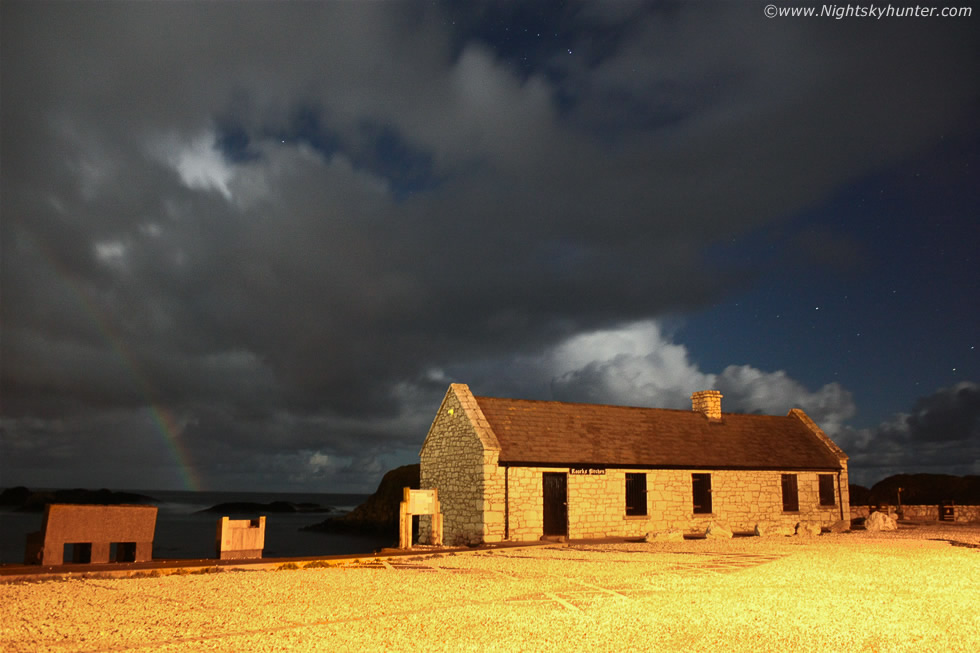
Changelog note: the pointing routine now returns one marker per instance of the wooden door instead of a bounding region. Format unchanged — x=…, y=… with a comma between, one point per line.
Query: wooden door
x=555, y=488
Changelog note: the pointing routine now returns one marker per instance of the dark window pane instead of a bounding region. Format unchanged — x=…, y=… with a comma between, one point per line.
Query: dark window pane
x=636, y=494
x=827, y=495
x=791, y=498
x=701, y=486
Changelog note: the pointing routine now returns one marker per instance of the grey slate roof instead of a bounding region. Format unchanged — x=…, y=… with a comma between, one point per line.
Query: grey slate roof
x=556, y=433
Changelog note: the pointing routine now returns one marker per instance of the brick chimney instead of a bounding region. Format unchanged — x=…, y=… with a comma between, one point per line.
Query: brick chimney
x=708, y=403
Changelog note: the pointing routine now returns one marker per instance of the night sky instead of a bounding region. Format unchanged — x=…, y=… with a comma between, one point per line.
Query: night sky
x=247, y=246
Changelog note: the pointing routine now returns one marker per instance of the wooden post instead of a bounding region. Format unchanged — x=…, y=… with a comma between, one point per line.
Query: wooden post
x=436, y=526
x=405, y=521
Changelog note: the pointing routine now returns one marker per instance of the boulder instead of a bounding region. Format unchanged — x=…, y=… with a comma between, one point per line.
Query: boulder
x=761, y=531
x=879, y=521
x=672, y=535
x=717, y=532
x=806, y=529
x=784, y=531
x=840, y=526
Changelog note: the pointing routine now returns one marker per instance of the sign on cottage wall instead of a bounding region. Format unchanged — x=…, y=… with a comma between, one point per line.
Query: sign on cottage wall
x=587, y=471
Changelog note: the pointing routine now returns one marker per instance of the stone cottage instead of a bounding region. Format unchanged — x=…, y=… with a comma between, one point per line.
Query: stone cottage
x=516, y=469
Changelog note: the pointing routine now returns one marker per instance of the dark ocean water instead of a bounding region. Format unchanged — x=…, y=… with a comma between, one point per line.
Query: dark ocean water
x=183, y=532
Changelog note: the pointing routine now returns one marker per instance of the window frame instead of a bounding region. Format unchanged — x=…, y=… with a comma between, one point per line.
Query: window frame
x=639, y=494
x=706, y=506
x=791, y=493
x=828, y=494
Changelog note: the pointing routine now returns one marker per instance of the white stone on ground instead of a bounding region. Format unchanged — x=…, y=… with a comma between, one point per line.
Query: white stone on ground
x=879, y=521
x=672, y=535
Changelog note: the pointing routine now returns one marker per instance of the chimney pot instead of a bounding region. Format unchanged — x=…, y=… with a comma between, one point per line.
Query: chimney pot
x=708, y=403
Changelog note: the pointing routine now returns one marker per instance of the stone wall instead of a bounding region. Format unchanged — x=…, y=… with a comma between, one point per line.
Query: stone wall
x=459, y=458
x=597, y=503
x=928, y=512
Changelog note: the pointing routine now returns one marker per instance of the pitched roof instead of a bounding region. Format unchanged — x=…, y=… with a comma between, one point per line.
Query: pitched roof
x=556, y=433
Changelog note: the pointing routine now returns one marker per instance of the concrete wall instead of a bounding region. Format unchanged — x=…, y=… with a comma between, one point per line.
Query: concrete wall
x=96, y=525
x=238, y=539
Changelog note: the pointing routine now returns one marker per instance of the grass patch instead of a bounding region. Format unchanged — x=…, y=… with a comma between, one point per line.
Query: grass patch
x=318, y=564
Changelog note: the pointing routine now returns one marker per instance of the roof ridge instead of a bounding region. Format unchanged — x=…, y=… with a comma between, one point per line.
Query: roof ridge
x=595, y=405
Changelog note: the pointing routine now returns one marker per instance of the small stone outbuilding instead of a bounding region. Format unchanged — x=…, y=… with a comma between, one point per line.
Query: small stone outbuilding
x=517, y=470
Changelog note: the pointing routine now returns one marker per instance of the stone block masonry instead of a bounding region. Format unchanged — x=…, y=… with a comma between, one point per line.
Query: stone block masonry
x=459, y=458
x=741, y=500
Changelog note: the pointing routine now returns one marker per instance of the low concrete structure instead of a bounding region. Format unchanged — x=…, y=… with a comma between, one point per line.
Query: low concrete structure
x=238, y=539
x=95, y=534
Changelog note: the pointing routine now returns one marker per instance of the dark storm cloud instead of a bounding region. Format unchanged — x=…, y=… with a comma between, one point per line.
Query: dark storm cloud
x=280, y=220
x=941, y=434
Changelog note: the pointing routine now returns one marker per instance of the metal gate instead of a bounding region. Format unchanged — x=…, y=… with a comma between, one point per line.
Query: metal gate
x=947, y=511
x=555, y=488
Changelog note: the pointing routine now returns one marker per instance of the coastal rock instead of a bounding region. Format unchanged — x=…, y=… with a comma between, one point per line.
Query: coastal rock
x=15, y=496
x=879, y=521
x=379, y=514
x=24, y=500
x=717, y=532
x=672, y=535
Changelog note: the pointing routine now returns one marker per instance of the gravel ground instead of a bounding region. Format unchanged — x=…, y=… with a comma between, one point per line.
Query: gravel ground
x=907, y=591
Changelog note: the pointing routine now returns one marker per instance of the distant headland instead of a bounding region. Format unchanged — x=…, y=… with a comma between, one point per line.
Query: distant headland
x=23, y=499
x=242, y=507
x=379, y=514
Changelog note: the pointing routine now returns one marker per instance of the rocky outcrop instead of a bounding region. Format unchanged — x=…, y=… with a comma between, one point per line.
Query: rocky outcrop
x=919, y=489
x=379, y=514
x=24, y=500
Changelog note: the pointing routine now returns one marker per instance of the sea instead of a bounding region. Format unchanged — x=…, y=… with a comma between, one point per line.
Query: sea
x=184, y=532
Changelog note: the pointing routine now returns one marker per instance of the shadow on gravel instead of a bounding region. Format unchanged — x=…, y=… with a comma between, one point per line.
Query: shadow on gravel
x=968, y=545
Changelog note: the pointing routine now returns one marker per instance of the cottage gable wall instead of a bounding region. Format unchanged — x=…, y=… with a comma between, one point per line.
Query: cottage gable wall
x=459, y=459
x=830, y=444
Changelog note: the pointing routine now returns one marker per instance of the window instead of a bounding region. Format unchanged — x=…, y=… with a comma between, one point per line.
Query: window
x=636, y=494
x=791, y=497
x=827, y=496
x=701, y=485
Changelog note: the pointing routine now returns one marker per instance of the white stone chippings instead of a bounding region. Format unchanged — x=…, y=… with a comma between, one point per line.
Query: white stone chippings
x=731, y=595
